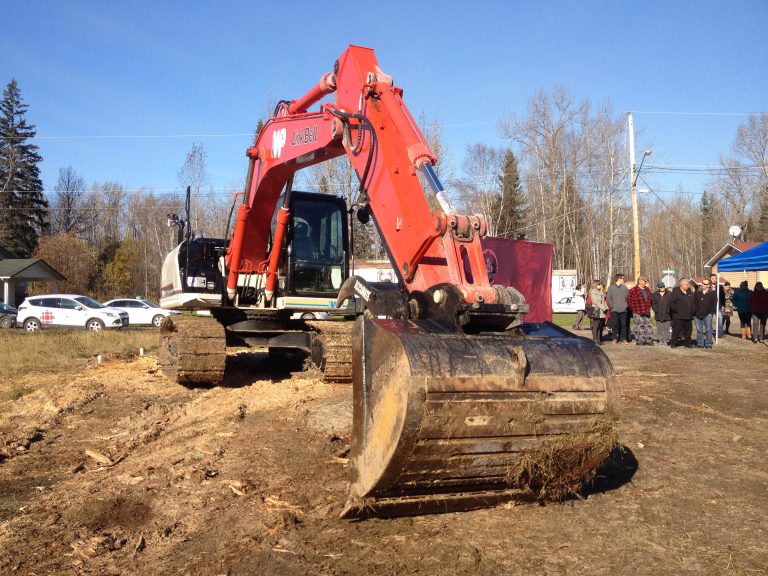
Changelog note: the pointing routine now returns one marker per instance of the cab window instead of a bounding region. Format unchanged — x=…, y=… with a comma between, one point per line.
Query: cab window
x=68, y=304
x=317, y=247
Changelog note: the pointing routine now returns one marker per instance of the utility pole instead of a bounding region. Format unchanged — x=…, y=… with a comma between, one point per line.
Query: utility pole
x=633, y=193
x=633, y=174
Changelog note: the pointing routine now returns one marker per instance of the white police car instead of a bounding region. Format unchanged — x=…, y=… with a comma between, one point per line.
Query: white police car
x=140, y=311
x=68, y=311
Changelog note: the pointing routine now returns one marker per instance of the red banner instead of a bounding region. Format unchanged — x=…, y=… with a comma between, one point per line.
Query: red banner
x=526, y=266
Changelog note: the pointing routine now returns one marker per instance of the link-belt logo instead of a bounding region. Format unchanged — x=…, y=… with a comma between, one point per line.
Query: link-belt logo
x=278, y=141
x=305, y=136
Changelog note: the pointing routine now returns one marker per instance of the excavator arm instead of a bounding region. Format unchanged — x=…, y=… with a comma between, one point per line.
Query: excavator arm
x=371, y=124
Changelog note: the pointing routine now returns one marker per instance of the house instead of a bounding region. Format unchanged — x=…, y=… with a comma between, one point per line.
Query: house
x=735, y=278
x=16, y=271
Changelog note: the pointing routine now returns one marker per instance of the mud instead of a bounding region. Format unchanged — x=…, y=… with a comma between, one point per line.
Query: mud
x=249, y=478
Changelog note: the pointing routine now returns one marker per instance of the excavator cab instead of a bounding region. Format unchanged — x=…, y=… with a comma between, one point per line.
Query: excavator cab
x=317, y=245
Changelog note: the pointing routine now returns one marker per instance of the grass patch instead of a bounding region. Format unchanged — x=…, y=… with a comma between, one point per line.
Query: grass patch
x=561, y=465
x=65, y=350
x=567, y=319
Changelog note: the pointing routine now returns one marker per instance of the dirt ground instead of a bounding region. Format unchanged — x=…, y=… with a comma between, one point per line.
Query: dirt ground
x=116, y=471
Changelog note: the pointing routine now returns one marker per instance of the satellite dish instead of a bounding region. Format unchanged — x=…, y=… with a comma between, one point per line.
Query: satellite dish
x=734, y=231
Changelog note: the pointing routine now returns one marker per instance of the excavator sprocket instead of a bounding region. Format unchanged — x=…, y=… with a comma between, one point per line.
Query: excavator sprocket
x=193, y=350
x=450, y=421
x=332, y=350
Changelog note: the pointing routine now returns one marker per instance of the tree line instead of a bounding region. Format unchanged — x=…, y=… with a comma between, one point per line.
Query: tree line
x=562, y=178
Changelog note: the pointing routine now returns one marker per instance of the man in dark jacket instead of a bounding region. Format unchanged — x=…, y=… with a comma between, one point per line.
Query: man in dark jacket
x=616, y=296
x=706, y=305
x=639, y=301
x=681, y=308
x=660, y=306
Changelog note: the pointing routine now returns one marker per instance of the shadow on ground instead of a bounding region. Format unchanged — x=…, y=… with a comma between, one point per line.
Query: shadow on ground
x=616, y=471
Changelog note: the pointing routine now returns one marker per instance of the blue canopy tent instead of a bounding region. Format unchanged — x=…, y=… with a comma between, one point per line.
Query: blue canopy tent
x=753, y=259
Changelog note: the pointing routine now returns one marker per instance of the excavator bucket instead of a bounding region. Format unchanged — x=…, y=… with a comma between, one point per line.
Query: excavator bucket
x=449, y=421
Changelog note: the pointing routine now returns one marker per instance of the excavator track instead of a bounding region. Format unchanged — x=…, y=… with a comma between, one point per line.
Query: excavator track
x=332, y=350
x=193, y=350
x=448, y=421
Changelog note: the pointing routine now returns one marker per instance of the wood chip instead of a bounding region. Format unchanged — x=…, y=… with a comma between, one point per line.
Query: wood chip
x=281, y=504
x=236, y=491
x=100, y=458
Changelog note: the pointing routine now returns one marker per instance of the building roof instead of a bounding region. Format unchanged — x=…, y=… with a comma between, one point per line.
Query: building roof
x=729, y=249
x=28, y=269
x=744, y=246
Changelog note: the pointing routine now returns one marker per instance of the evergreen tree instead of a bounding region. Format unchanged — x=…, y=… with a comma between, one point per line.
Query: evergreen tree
x=23, y=207
x=511, y=203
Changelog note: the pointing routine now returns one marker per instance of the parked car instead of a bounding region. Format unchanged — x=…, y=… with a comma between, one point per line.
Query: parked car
x=68, y=311
x=569, y=304
x=7, y=315
x=140, y=311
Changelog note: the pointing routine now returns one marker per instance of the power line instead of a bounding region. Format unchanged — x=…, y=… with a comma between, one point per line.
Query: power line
x=679, y=113
x=667, y=206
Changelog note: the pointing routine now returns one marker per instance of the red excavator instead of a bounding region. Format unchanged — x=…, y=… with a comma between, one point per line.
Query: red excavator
x=456, y=402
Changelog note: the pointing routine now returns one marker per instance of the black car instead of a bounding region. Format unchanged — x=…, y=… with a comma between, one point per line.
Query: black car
x=7, y=315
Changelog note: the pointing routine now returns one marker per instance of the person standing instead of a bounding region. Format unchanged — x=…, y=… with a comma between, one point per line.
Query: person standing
x=706, y=305
x=660, y=307
x=639, y=301
x=681, y=308
x=741, y=302
x=758, y=303
x=578, y=297
x=596, y=300
x=617, y=299
x=720, y=302
x=727, y=309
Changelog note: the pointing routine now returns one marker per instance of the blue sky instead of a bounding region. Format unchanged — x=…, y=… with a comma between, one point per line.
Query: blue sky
x=95, y=74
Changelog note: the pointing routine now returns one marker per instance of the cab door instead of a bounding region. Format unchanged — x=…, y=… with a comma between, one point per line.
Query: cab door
x=318, y=245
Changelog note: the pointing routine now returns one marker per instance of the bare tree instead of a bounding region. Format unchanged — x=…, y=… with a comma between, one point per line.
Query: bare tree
x=480, y=190
x=68, y=210
x=105, y=222
x=572, y=166
x=742, y=182
x=193, y=174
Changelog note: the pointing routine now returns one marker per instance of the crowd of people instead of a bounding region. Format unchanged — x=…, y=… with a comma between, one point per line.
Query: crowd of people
x=709, y=305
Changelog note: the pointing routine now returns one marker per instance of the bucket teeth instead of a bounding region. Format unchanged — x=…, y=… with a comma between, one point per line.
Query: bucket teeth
x=450, y=420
